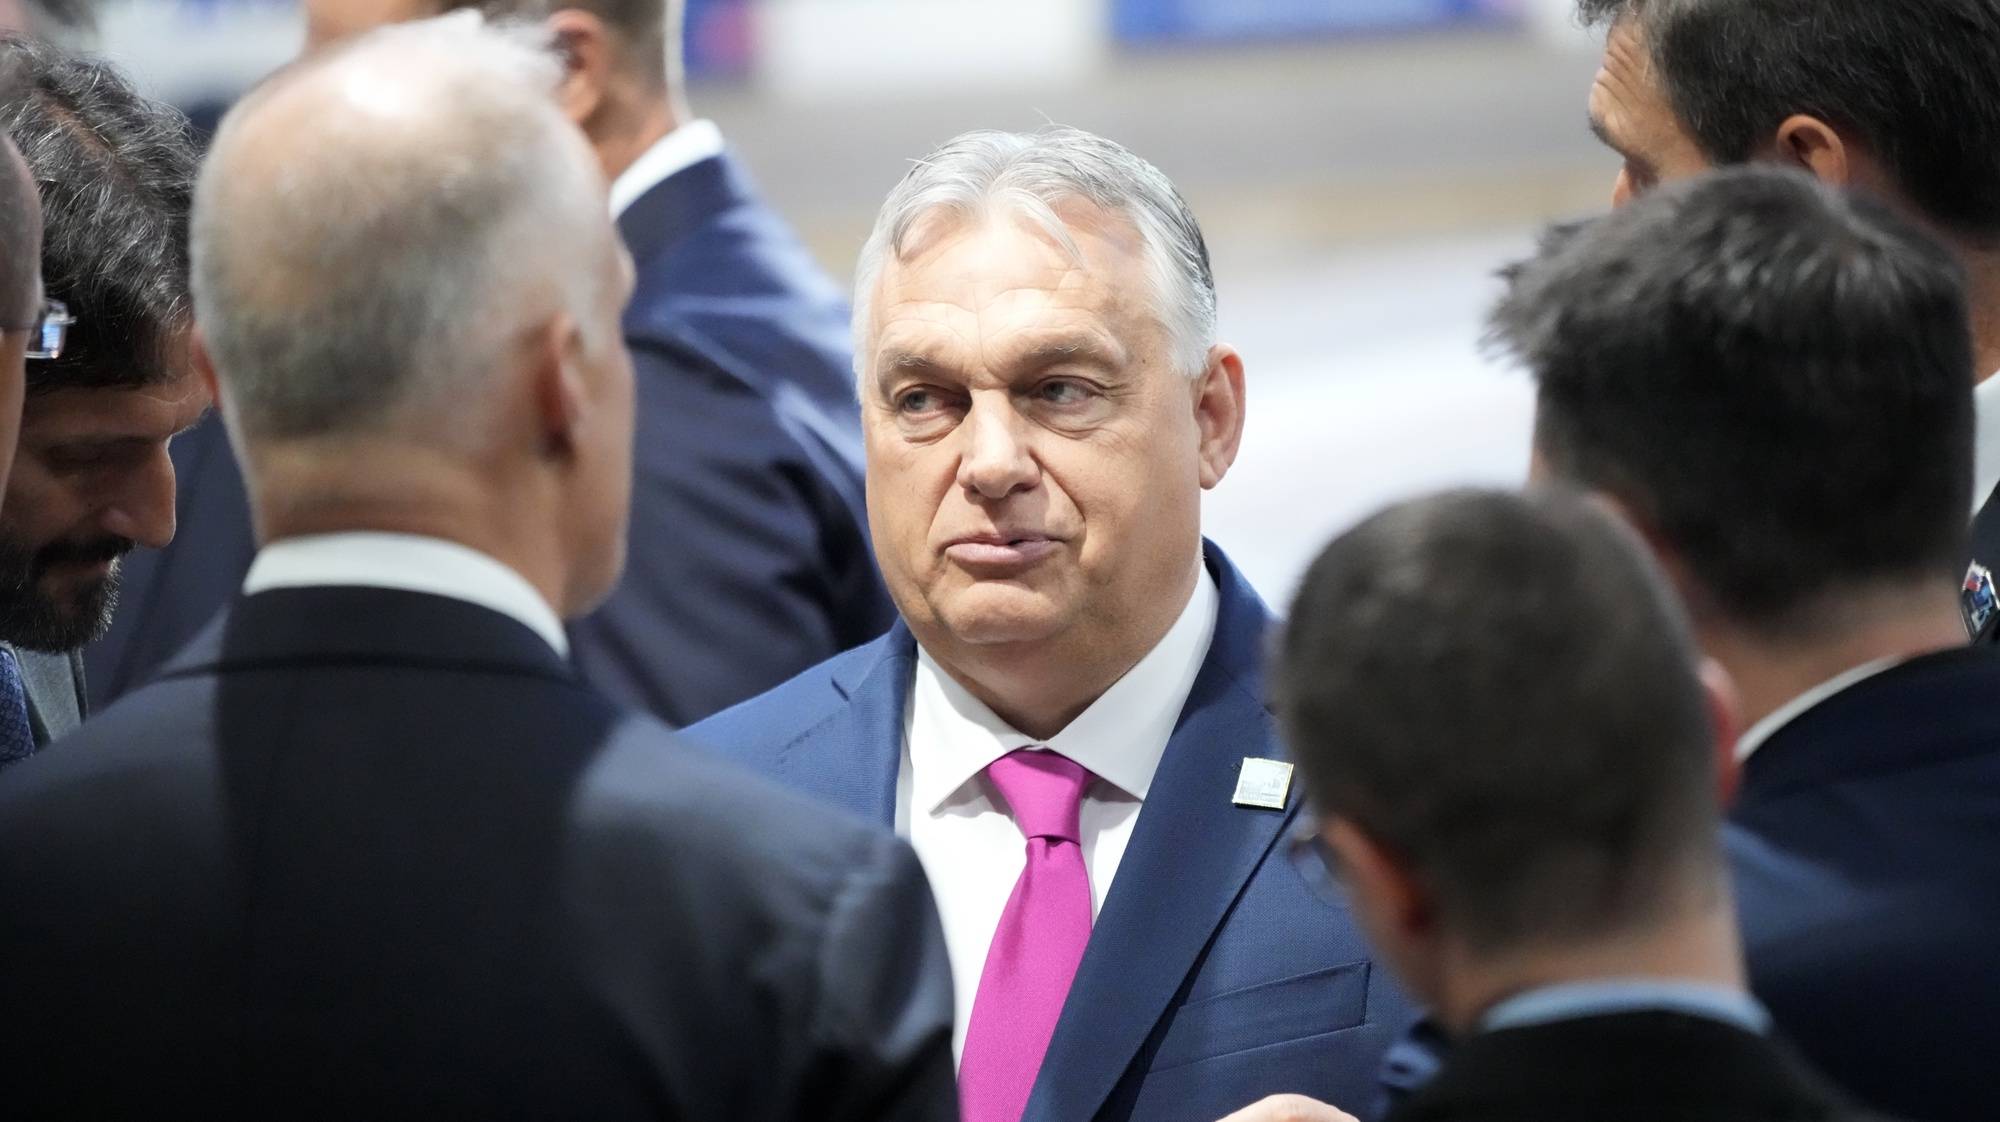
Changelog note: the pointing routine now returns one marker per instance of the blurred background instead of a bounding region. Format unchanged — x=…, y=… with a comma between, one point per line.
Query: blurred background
x=1361, y=168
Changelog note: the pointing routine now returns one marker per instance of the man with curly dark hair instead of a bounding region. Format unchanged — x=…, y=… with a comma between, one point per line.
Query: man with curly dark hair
x=91, y=477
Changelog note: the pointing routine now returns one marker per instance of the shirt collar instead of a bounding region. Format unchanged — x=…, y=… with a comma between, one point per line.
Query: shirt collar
x=1604, y=997
x=677, y=151
x=1120, y=738
x=410, y=563
x=1797, y=707
x=1985, y=440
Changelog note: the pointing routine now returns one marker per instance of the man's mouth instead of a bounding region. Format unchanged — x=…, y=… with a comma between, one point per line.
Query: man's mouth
x=999, y=552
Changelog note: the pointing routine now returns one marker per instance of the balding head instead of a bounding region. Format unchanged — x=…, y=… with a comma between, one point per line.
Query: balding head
x=406, y=277
x=376, y=227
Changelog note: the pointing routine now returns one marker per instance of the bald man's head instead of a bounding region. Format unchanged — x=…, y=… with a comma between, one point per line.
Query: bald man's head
x=409, y=288
x=375, y=227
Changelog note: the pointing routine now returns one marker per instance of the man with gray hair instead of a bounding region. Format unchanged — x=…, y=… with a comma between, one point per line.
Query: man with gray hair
x=370, y=849
x=1068, y=721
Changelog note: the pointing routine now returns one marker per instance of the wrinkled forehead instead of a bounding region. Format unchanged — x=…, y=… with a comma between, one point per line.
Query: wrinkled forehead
x=1073, y=260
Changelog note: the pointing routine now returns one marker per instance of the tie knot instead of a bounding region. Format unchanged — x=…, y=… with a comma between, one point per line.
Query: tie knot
x=1044, y=791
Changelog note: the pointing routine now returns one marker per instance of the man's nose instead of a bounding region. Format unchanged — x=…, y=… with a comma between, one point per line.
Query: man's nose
x=996, y=460
x=142, y=505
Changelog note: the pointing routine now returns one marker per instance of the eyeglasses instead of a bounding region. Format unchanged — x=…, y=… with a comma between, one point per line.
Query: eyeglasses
x=1317, y=864
x=50, y=330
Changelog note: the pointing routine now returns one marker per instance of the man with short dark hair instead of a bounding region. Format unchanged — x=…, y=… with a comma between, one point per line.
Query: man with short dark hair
x=91, y=476
x=1894, y=98
x=1538, y=856
x=750, y=558
x=1766, y=377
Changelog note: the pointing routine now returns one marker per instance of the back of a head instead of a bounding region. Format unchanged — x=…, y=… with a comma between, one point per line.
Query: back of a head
x=116, y=171
x=1910, y=80
x=1501, y=690
x=380, y=226
x=648, y=32
x=1773, y=378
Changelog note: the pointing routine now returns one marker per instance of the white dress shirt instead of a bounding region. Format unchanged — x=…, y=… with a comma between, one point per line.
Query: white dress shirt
x=411, y=563
x=968, y=843
x=1985, y=440
x=1799, y=706
x=679, y=150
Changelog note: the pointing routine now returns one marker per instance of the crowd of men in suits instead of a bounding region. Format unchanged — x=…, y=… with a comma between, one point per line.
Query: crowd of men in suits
x=1666, y=788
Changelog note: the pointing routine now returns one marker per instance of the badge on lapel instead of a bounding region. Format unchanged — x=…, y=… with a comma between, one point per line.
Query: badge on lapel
x=1263, y=783
x=1978, y=599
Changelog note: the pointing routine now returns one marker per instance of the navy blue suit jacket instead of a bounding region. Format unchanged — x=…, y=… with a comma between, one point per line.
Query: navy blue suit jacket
x=1866, y=846
x=1215, y=976
x=749, y=557
x=363, y=853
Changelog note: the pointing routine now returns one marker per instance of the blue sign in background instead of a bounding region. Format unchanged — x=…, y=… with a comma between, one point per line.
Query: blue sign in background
x=1199, y=20
x=717, y=34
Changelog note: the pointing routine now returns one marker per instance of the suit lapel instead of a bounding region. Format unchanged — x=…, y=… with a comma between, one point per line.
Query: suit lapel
x=1191, y=855
x=851, y=759
x=53, y=705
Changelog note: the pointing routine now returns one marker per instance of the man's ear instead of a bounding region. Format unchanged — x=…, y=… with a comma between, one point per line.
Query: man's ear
x=1218, y=412
x=1810, y=143
x=204, y=365
x=589, y=56
x=1725, y=716
x=561, y=399
x=1387, y=894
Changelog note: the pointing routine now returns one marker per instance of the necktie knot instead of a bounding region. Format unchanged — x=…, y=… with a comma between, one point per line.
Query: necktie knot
x=1044, y=791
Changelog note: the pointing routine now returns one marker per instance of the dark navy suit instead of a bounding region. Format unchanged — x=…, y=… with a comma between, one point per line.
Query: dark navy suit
x=1866, y=843
x=373, y=854
x=1214, y=975
x=749, y=557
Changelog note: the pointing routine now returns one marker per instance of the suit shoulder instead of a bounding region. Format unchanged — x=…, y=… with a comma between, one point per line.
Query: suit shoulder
x=742, y=296
x=756, y=730
x=654, y=786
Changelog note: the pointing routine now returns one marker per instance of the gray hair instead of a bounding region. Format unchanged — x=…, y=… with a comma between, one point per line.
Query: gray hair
x=1031, y=174
x=376, y=226
x=116, y=170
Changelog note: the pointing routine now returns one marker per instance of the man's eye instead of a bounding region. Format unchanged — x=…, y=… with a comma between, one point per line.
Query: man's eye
x=1061, y=392
x=916, y=401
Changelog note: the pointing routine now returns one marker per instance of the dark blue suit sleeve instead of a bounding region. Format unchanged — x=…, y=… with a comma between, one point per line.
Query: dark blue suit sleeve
x=744, y=568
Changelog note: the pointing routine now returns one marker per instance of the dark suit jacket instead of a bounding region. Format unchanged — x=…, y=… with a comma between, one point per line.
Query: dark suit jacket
x=375, y=854
x=749, y=557
x=1626, y=1067
x=1866, y=844
x=1214, y=976
x=749, y=539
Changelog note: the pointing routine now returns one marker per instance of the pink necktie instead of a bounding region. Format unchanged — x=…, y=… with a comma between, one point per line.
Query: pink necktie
x=1038, y=944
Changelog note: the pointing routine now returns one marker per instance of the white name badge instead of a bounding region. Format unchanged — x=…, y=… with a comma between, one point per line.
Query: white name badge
x=1263, y=783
